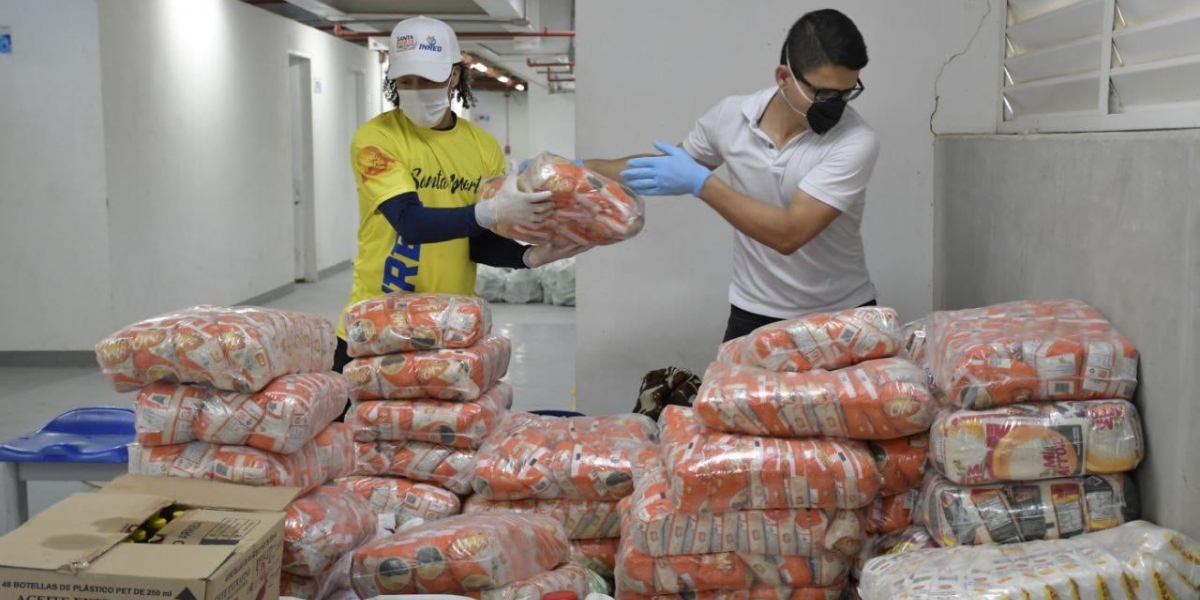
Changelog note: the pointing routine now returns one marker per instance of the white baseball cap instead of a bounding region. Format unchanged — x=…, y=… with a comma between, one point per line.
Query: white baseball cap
x=423, y=47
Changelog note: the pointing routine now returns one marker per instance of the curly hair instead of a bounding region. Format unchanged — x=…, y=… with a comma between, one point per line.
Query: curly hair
x=462, y=91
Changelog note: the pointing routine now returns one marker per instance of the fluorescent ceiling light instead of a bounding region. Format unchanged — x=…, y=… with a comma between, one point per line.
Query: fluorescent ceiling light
x=502, y=79
x=520, y=87
x=482, y=68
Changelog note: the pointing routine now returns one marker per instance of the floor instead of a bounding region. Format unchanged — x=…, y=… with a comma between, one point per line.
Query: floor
x=542, y=370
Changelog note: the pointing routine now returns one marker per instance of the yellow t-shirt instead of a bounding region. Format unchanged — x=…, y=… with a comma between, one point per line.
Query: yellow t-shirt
x=391, y=156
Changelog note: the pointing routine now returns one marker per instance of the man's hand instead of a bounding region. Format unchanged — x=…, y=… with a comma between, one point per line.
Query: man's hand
x=512, y=207
x=673, y=174
x=537, y=256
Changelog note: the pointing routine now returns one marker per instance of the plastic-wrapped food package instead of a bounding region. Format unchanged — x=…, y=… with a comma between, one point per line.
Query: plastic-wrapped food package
x=489, y=282
x=165, y=413
x=718, y=472
x=193, y=460
x=336, y=451
x=657, y=529
x=448, y=467
x=456, y=424
x=1037, y=441
x=915, y=337
x=597, y=555
x=236, y=349
x=405, y=499
x=323, y=525
x=819, y=341
x=580, y=458
x=403, y=322
x=449, y=374
x=566, y=578
x=913, y=537
x=523, y=286
x=878, y=399
x=460, y=554
x=644, y=574
x=1006, y=513
x=1032, y=350
x=581, y=519
x=558, y=282
x=1136, y=560
x=761, y=592
x=902, y=462
x=589, y=208
x=889, y=514
x=322, y=586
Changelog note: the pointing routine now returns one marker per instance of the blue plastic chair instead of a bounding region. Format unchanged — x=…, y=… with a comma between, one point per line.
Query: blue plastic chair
x=557, y=413
x=83, y=444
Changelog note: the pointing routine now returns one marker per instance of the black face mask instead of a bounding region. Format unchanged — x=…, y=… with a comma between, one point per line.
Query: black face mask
x=823, y=116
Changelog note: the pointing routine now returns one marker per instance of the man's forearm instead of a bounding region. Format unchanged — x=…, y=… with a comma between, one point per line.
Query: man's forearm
x=768, y=225
x=610, y=167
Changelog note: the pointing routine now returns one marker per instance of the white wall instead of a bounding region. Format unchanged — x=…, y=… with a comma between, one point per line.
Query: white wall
x=551, y=121
x=506, y=119
x=660, y=299
x=53, y=224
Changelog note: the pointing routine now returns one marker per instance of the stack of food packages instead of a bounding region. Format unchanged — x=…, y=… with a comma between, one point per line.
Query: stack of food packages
x=247, y=396
x=771, y=485
x=575, y=470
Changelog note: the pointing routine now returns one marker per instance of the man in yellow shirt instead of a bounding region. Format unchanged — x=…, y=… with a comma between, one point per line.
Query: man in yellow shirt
x=422, y=226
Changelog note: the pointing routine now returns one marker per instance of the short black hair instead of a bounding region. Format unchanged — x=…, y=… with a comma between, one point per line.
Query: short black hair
x=462, y=91
x=824, y=37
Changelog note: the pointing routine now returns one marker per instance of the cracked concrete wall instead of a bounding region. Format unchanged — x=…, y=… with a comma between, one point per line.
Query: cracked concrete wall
x=648, y=70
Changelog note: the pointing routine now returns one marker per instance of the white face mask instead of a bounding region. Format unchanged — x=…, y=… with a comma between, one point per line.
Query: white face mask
x=425, y=108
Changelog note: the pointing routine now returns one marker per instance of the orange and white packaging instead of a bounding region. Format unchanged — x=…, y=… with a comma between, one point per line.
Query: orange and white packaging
x=456, y=374
x=323, y=525
x=819, y=341
x=280, y=418
x=235, y=349
x=1014, y=512
x=403, y=322
x=902, y=462
x=423, y=462
x=656, y=528
x=915, y=336
x=566, y=578
x=760, y=592
x=1037, y=441
x=718, y=472
x=589, y=208
x=644, y=574
x=875, y=400
x=890, y=514
x=913, y=537
x=597, y=555
x=579, y=458
x=460, y=554
x=405, y=499
x=581, y=519
x=456, y=424
x=1031, y=350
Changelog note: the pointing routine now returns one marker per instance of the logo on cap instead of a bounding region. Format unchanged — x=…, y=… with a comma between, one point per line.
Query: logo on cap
x=431, y=45
x=406, y=42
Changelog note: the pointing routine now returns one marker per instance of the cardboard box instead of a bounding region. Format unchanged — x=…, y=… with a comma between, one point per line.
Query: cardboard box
x=227, y=546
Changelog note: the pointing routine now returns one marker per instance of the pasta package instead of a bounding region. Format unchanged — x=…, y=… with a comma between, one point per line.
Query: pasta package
x=1136, y=560
x=1032, y=350
x=902, y=462
x=423, y=462
x=449, y=374
x=235, y=349
x=405, y=499
x=913, y=537
x=644, y=574
x=599, y=555
x=280, y=418
x=1007, y=513
x=580, y=458
x=567, y=578
x=323, y=525
x=761, y=592
x=656, y=528
x=589, y=208
x=1037, y=441
x=459, y=554
x=456, y=424
x=581, y=519
x=874, y=400
x=403, y=322
x=719, y=472
x=818, y=341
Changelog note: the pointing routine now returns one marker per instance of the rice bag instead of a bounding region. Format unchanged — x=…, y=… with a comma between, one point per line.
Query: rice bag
x=165, y=413
x=456, y=424
x=323, y=525
x=235, y=349
x=1136, y=560
x=581, y=458
x=644, y=574
x=902, y=462
x=448, y=374
x=818, y=341
x=589, y=208
x=423, y=462
x=403, y=498
x=890, y=514
x=599, y=555
x=1037, y=441
x=459, y=554
x=566, y=578
x=280, y=418
x=1012, y=512
x=875, y=400
x=404, y=322
x=581, y=519
x=1032, y=350
x=760, y=592
x=915, y=337
x=717, y=472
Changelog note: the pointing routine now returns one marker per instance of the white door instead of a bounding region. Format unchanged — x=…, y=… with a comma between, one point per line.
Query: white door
x=300, y=92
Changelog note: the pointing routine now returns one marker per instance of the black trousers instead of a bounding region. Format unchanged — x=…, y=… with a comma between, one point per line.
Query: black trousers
x=742, y=322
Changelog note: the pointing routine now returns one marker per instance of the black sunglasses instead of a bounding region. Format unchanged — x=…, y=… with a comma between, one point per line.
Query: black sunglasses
x=829, y=94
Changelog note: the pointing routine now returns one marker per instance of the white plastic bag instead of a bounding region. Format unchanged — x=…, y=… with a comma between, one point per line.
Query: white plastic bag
x=489, y=282
x=558, y=283
x=523, y=286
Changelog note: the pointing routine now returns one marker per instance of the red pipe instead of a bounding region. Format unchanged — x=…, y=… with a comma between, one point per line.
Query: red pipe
x=512, y=34
x=529, y=62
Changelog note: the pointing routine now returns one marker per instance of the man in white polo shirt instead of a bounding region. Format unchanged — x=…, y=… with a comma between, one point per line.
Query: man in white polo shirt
x=799, y=160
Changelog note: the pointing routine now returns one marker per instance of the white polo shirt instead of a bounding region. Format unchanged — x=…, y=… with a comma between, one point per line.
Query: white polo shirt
x=830, y=272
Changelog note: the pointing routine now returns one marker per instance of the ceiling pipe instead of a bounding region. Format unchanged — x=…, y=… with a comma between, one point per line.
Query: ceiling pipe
x=530, y=62
x=449, y=18
x=500, y=35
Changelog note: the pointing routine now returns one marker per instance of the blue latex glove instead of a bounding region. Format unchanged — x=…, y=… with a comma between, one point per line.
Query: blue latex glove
x=674, y=174
x=525, y=164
